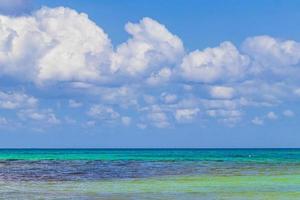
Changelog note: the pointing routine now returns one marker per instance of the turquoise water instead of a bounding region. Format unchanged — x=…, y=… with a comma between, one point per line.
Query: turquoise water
x=150, y=174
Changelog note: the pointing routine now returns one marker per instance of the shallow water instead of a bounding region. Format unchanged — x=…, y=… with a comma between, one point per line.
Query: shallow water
x=150, y=174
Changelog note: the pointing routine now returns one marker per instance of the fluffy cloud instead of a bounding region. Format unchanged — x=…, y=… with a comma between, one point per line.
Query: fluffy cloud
x=16, y=100
x=214, y=64
x=268, y=52
x=126, y=120
x=44, y=116
x=185, y=115
x=64, y=45
x=169, y=98
x=257, y=121
x=221, y=92
x=150, y=76
x=103, y=113
x=151, y=46
x=271, y=115
x=158, y=118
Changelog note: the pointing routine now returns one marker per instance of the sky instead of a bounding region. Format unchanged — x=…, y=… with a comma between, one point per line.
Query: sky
x=149, y=74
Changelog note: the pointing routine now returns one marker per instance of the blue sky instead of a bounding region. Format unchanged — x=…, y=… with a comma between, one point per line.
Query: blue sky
x=149, y=73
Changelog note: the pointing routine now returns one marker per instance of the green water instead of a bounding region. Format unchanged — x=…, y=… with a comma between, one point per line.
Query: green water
x=117, y=174
x=202, y=187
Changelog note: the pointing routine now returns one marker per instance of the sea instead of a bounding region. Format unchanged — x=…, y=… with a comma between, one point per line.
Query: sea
x=154, y=174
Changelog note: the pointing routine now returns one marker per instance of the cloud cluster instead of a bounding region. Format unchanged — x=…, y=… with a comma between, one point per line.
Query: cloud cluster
x=150, y=79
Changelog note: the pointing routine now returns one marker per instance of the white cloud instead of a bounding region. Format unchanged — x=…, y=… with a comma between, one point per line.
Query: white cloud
x=222, y=92
x=186, y=115
x=169, y=98
x=3, y=121
x=16, y=100
x=224, y=113
x=162, y=76
x=103, y=113
x=46, y=117
x=257, y=121
x=142, y=126
x=149, y=74
x=158, y=118
x=288, y=113
x=90, y=123
x=64, y=45
x=126, y=120
x=268, y=52
x=149, y=99
x=151, y=45
x=214, y=64
x=271, y=115
x=297, y=92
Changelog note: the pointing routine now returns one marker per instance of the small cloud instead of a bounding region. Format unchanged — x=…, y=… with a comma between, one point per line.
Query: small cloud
x=16, y=100
x=159, y=119
x=90, y=123
x=142, y=126
x=44, y=116
x=74, y=104
x=149, y=99
x=103, y=113
x=288, y=113
x=221, y=92
x=3, y=121
x=257, y=121
x=70, y=120
x=187, y=87
x=126, y=120
x=169, y=98
x=271, y=115
x=185, y=115
x=297, y=91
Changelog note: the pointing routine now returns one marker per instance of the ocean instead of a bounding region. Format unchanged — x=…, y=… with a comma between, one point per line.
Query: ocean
x=162, y=174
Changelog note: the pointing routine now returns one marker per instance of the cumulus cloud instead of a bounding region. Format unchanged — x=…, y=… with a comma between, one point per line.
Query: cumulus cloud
x=268, y=52
x=214, y=64
x=64, y=45
x=228, y=117
x=15, y=100
x=221, y=92
x=151, y=45
x=103, y=113
x=158, y=118
x=185, y=115
x=150, y=75
x=47, y=116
